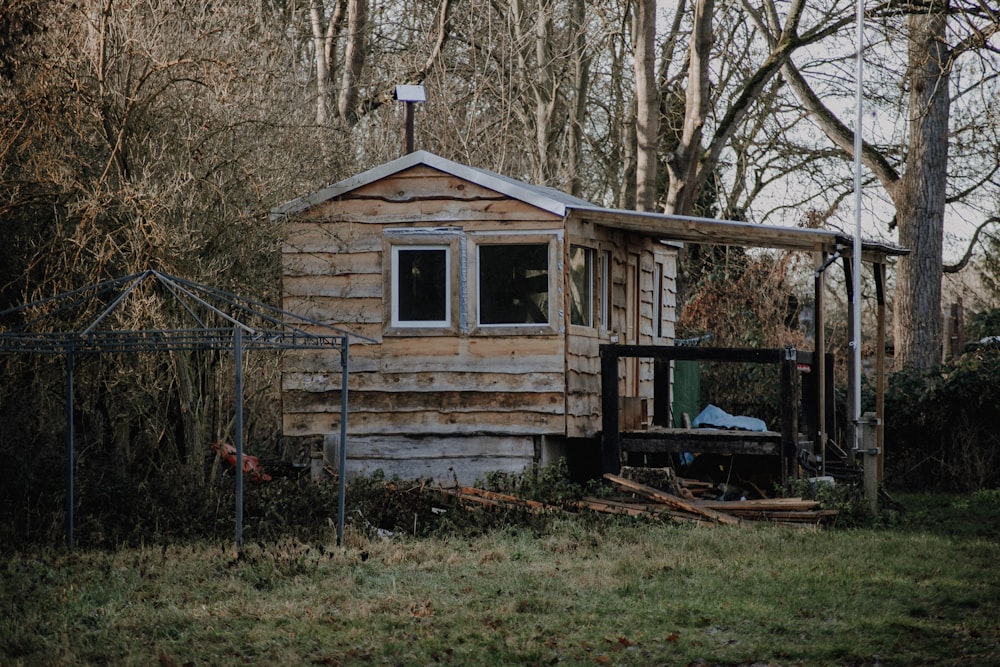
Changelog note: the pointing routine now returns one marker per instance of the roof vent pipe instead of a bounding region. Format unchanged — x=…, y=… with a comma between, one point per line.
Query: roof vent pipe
x=410, y=95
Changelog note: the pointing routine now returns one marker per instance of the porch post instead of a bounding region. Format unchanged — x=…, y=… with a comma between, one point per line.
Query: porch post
x=819, y=361
x=879, y=268
x=789, y=414
x=610, y=441
x=342, y=462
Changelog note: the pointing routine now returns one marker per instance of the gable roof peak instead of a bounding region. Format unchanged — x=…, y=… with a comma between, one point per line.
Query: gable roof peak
x=546, y=198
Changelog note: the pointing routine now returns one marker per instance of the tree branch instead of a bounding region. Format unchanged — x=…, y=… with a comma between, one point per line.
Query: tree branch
x=839, y=133
x=961, y=264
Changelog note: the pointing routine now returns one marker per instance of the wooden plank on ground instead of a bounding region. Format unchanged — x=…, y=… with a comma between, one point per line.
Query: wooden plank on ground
x=671, y=500
x=632, y=509
x=494, y=498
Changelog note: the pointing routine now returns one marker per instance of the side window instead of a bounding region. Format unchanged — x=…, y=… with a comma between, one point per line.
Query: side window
x=513, y=284
x=581, y=287
x=606, y=290
x=421, y=290
x=658, y=299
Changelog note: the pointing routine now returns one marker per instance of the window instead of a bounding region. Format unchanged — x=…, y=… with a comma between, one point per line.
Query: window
x=606, y=290
x=421, y=290
x=513, y=284
x=658, y=300
x=581, y=286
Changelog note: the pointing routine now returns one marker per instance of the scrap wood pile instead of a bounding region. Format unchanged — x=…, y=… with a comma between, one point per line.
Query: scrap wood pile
x=636, y=499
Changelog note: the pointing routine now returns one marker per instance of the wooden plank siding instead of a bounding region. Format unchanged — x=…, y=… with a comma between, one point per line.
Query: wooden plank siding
x=583, y=367
x=447, y=459
x=414, y=398
x=463, y=398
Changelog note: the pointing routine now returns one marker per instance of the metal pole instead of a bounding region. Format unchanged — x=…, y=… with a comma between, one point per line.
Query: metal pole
x=70, y=463
x=862, y=441
x=342, y=463
x=408, y=128
x=238, y=362
x=856, y=328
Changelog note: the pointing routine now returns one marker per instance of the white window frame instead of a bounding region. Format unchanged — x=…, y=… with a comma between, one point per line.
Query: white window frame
x=395, y=321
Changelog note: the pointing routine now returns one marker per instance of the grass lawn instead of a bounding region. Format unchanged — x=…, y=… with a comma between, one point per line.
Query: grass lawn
x=925, y=591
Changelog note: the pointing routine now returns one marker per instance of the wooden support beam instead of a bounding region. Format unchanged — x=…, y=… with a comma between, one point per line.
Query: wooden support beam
x=880, y=333
x=610, y=438
x=819, y=361
x=789, y=414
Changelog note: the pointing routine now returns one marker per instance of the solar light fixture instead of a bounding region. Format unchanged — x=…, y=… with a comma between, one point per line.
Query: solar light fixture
x=409, y=94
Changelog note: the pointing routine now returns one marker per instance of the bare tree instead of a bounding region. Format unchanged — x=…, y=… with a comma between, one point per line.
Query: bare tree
x=324, y=35
x=143, y=135
x=647, y=104
x=915, y=172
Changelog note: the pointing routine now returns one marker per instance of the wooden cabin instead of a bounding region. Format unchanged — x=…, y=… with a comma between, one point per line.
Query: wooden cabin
x=484, y=307
x=485, y=299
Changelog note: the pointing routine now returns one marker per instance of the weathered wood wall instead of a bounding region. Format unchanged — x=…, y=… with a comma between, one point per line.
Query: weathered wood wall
x=421, y=403
x=583, y=367
x=459, y=400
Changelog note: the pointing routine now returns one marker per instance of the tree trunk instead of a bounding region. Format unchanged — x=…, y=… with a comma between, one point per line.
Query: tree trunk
x=647, y=125
x=920, y=195
x=323, y=39
x=581, y=86
x=354, y=60
x=684, y=163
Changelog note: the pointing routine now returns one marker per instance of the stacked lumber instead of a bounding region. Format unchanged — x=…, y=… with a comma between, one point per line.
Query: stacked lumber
x=643, y=500
x=675, y=503
x=495, y=499
x=785, y=510
x=775, y=510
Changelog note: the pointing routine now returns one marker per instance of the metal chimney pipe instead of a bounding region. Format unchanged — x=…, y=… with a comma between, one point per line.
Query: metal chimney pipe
x=410, y=95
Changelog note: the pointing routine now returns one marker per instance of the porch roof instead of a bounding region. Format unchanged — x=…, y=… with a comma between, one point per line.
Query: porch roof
x=691, y=229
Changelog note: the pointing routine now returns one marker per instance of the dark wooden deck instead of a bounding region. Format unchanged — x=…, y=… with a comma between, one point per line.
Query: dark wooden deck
x=782, y=444
x=661, y=440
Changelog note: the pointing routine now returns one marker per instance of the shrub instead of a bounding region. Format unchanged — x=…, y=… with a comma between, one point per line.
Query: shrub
x=940, y=426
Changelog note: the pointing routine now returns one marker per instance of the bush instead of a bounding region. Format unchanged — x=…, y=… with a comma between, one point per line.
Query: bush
x=940, y=426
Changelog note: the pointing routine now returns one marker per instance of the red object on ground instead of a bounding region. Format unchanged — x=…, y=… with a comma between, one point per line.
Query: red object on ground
x=251, y=464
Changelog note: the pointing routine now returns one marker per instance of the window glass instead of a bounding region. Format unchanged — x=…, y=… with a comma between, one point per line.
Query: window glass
x=514, y=283
x=658, y=300
x=606, y=290
x=420, y=286
x=581, y=288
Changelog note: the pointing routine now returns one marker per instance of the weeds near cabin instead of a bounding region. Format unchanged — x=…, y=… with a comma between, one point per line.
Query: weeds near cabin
x=549, y=484
x=848, y=498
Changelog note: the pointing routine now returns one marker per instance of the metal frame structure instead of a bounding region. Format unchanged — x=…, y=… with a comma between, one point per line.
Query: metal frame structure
x=92, y=320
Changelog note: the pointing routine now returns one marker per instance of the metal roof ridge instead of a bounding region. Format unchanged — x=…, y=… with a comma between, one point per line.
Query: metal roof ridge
x=546, y=198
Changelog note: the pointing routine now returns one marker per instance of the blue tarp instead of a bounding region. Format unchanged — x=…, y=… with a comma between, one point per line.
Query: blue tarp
x=715, y=417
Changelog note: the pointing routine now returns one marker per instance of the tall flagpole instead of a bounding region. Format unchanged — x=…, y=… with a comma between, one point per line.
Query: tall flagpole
x=856, y=260
x=864, y=430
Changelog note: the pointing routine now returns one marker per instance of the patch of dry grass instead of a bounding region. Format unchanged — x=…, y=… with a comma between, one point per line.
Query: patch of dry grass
x=581, y=594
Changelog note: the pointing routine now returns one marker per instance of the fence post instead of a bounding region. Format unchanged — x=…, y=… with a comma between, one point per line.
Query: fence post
x=870, y=452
